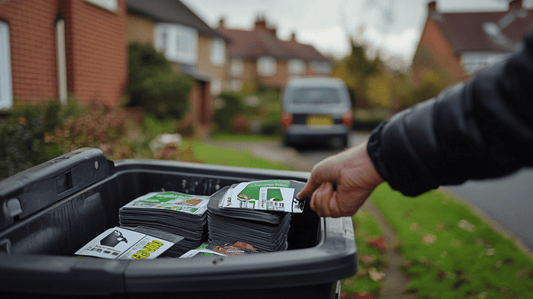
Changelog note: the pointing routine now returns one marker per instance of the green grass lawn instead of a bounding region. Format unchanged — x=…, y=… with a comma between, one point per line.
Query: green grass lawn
x=244, y=137
x=366, y=229
x=452, y=253
x=211, y=154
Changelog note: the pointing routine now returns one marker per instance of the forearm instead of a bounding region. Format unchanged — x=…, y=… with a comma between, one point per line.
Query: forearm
x=480, y=129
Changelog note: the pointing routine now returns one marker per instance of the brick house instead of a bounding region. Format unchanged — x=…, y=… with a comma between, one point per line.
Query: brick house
x=258, y=56
x=189, y=43
x=50, y=49
x=458, y=44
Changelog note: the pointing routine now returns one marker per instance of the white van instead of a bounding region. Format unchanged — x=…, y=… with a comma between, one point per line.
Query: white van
x=316, y=109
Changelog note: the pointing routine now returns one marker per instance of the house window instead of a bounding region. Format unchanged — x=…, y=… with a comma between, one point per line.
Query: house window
x=321, y=67
x=6, y=89
x=179, y=43
x=216, y=87
x=235, y=84
x=296, y=67
x=236, y=67
x=111, y=5
x=475, y=61
x=266, y=66
x=218, y=53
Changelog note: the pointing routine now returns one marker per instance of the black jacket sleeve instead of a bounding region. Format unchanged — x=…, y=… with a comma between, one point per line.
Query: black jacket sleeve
x=477, y=129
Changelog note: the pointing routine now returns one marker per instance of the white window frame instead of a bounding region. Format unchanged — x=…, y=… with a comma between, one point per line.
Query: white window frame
x=236, y=67
x=472, y=62
x=218, y=52
x=215, y=86
x=61, y=52
x=266, y=66
x=111, y=5
x=235, y=84
x=179, y=43
x=6, y=84
x=296, y=67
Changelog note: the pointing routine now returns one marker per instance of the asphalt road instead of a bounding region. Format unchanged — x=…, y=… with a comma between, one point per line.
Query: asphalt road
x=508, y=201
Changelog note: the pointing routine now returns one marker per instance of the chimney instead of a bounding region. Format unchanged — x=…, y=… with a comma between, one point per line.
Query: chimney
x=272, y=30
x=293, y=36
x=260, y=22
x=515, y=4
x=432, y=6
x=221, y=22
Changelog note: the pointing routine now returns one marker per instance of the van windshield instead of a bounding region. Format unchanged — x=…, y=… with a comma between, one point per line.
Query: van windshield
x=316, y=95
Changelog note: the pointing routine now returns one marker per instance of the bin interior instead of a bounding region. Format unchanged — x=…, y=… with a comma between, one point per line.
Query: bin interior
x=66, y=225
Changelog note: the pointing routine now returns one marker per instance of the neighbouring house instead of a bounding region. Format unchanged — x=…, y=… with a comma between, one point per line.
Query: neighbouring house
x=189, y=43
x=56, y=48
x=458, y=44
x=258, y=56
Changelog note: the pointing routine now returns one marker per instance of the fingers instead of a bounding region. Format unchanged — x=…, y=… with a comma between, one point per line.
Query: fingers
x=325, y=201
x=324, y=173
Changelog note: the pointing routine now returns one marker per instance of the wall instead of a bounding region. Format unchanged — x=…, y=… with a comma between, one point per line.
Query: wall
x=434, y=52
x=96, y=51
x=95, y=46
x=204, y=62
x=140, y=29
x=33, y=48
x=280, y=78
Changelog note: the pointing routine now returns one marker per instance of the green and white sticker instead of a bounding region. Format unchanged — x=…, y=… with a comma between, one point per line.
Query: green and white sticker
x=272, y=195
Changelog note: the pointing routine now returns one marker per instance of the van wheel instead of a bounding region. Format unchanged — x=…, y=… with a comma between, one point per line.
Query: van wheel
x=286, y=142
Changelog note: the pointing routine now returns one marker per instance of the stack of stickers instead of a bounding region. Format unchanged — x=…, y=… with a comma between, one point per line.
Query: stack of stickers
x=177, y=213
x=257, y=213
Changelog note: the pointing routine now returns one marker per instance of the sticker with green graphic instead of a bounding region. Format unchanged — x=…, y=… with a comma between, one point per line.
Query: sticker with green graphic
x=272, y=195
x=186, y=203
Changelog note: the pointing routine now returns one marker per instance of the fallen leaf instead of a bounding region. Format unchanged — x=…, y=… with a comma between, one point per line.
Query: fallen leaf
x=456, y=243
x=348, y=282
x=498, y=264
x=424, y=260
x=444, y=254
x=439, y=227
x=407, y=214
x=467, y=225
x=408, y=263
x=440, y=275
x=375, y=275
x=429, y=239
x=508, y=261
x=490, y=251
x=379, y=243
x=367, y=259
x=415, y=226
x=363, y=296
x=397, y=245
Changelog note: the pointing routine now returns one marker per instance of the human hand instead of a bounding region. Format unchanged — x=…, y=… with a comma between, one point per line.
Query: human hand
x=353, y=173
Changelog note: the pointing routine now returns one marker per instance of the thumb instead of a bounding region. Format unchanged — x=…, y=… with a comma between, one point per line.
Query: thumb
x=324, y=173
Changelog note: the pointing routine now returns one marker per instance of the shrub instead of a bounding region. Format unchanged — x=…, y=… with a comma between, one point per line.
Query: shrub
x=153, y=85
x=232, y=104
x=166, y=95
x=144, y=62
x=22, y=135
x=97, y=127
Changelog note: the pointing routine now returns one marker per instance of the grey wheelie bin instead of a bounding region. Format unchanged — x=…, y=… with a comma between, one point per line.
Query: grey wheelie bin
x=53, y=209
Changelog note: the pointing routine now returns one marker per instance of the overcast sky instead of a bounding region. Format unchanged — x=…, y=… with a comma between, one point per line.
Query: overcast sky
x=393, y=25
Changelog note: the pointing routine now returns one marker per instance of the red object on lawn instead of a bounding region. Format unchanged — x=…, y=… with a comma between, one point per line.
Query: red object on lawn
x=379, y=243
